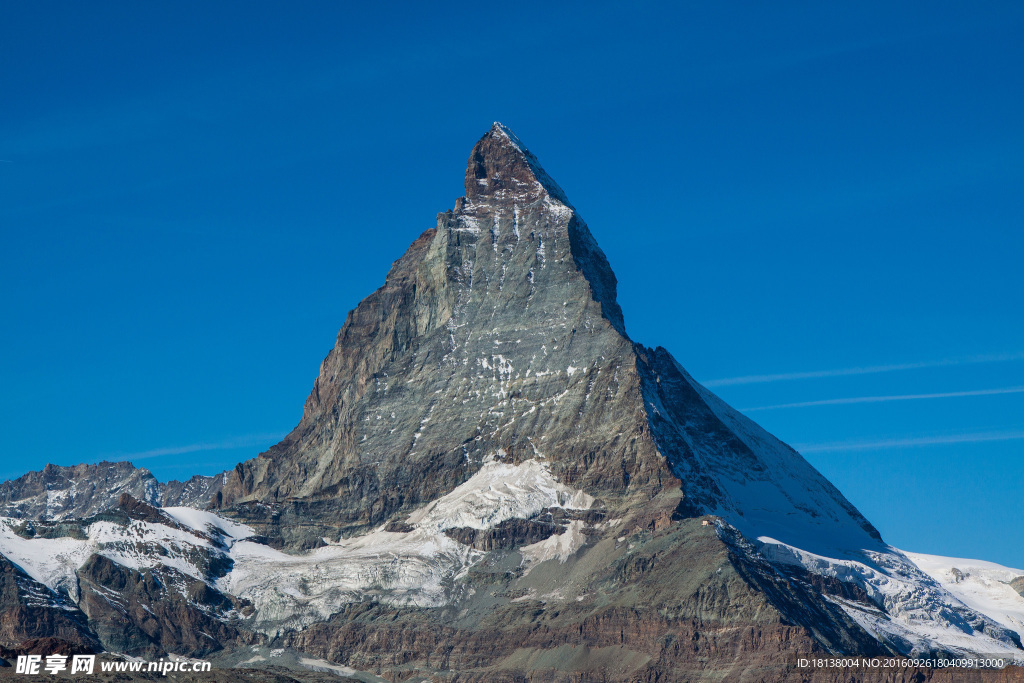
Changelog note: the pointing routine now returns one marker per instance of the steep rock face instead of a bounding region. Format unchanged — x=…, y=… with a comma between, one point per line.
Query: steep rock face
x=198, y=492
x=496, y=333
x=155, y=611
x=497, y=336
x=29, y=610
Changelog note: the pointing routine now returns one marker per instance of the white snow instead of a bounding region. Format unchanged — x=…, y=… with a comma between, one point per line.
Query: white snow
x=782, y=496
x=498, y=492
x=50, y=561
x=468, y=224
x=204, y=521
x=982, y=586
x=773, y=495
x=917, y=609
x=138, y=545
x=558, y=547
x=290, y=591
x=325, y=666
x=409, y=568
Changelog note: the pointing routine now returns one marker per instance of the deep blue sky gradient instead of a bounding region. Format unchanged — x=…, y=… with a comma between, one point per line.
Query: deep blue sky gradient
x=193, y=195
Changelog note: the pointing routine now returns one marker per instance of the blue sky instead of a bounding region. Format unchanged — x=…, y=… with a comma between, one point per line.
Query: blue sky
x=805, y=204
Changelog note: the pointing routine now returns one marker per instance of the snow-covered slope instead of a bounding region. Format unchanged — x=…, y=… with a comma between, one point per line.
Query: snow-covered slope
x=789, y=514
x=498, y=492
x=137, y=545
x=413, y=566
x=907, y=608
x=409, y=567
x=921, y=604
x=775, y=492
x=982, y=586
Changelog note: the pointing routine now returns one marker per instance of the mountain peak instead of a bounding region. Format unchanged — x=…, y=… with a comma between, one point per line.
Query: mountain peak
x=501, y=129
x=484, y=440
x=501, y=167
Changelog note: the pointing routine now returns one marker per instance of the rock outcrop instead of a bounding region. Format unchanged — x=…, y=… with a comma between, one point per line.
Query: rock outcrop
x=79, y=491
x=155, y=611
x=30, y=612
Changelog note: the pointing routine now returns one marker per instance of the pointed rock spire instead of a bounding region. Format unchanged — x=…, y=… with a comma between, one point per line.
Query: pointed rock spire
x=500, y=166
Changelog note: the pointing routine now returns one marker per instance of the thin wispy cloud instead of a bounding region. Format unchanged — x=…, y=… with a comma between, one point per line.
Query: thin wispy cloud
x=884, y=399
x=909, y=442
x=863, y=370
x=248, y=441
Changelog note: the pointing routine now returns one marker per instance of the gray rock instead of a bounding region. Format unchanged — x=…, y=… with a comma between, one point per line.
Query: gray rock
x=57, y=492
x=198, y=492
x=79, y=491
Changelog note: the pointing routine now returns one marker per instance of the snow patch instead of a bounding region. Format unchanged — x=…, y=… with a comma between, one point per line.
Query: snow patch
x=205, y=522
x=326, y=667
x=401, y=568
x=138, y=545
x=559, y=547
x=498, y=492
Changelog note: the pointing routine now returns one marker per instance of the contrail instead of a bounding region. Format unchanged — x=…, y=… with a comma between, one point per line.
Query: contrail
x=233, y=442
x=883, y=399
x=866, y=370
x=902, y=443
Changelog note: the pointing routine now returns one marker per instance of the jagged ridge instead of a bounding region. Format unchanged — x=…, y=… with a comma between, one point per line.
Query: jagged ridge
x=78, y=491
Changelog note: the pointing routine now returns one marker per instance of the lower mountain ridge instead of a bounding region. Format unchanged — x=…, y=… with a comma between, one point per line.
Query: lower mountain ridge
x=492, y=482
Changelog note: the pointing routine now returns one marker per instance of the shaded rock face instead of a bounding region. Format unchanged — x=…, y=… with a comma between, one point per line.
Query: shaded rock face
x=30, y=612
x=510, y=534
x=198, y=492
x=153, y=612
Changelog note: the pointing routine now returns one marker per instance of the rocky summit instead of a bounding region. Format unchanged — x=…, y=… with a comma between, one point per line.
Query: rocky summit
x=490, y=482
